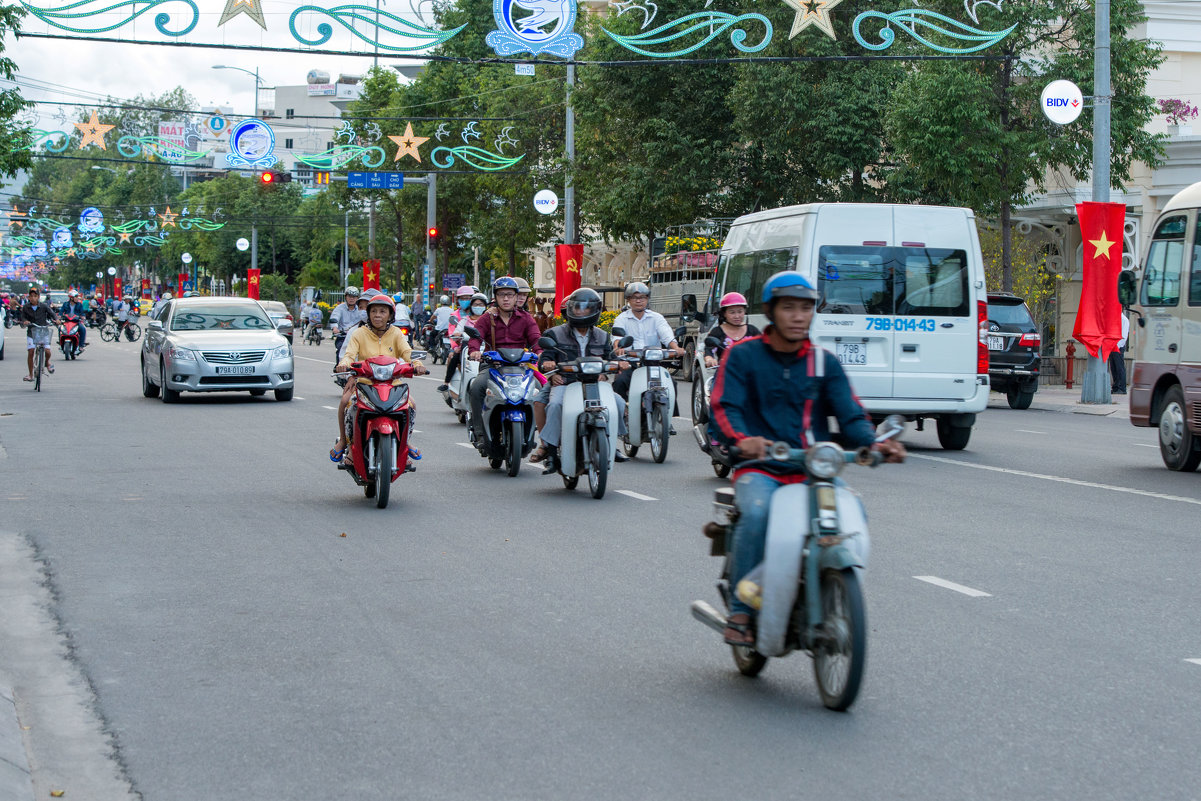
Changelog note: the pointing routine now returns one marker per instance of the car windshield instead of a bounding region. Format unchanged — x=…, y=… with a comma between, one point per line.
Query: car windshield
x=275, y=307
x=220, y=317
x=1003, y=313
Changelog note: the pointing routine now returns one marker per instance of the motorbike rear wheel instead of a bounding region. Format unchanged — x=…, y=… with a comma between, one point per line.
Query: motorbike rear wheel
x=516, y=443
x=598, y=462
x=722, y=470
x=838, y=660
x=660, y=433
x=570, y=482
x=385, y=461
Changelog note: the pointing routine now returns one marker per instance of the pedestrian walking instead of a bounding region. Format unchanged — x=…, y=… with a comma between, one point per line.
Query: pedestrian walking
x=1117, y=361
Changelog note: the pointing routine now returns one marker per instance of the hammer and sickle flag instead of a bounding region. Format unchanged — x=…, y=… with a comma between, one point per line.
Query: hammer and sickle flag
x=568, y=259
x=252, y=283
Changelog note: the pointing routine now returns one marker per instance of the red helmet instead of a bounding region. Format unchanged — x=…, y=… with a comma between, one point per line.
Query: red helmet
x=383, y=300
x=732, y=299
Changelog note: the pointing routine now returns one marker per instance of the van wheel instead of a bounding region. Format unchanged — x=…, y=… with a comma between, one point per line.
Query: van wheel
x=700, y=409
x=952, y=438
x=1179, y=448
x=688, y=367
x=1018, y=398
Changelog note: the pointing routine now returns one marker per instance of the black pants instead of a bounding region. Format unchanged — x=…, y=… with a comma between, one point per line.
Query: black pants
x=452, y=364
x=621, y=385
x=475, y=393
x=1117, y=371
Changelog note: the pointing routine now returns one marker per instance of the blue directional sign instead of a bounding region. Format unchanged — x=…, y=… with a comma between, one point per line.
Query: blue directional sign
x=375, y=180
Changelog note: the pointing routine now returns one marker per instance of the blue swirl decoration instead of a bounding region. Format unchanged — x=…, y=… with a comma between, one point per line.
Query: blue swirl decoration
x=908, y=20
x=44, y=138
x=78, y=13
x=349, y=17
x=132, y=146
x=341, y=155
x=716, y=23
x=474, y=156
x=529, y=34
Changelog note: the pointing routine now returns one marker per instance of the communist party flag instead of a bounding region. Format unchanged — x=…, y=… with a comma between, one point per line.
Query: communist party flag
x=1099, y=318
x=568, y=261
x=371, y=274
x=145, y=287
x=252, y=284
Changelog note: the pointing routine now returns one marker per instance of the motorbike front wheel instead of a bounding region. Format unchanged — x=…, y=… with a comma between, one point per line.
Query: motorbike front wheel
x=748, y=661
x=598, y=462
x=385, y=461
x=659, y=431
x=516, y=442
x=839, y=658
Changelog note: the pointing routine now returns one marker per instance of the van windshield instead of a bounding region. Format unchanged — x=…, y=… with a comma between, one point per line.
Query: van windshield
x=747, y=272
x=874, y=279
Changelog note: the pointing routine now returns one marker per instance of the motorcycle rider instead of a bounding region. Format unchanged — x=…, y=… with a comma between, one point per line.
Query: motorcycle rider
x=509, y=327
x=37, y=312
x=314, y=318
x=731, y=326
x=162, y=301
x=523, y=293
x=472, y=304
x=578, y=337
x=75, y=306
x=403, y=312
x=376, y=337
x=344, y=315
x=649, y=330
x=773, y=388
x=361, y=308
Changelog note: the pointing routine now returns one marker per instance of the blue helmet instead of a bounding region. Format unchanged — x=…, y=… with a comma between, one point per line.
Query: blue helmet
x=399, y=297
x=505, y=282
x=787, y=284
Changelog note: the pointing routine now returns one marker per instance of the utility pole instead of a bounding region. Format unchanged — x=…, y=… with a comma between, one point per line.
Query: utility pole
x=346, y=249
x=254, y=247
x=568, y=188
x=431, y=216
x=1095, y=386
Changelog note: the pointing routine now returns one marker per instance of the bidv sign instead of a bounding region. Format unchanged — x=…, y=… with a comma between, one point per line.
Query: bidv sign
x=1062, y=102
x=546, y=201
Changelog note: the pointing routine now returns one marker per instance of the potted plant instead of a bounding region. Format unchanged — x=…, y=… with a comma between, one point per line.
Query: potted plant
x=1179, y=114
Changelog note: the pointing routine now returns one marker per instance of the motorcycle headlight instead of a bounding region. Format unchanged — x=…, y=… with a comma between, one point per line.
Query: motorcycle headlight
x=178, y=354
x=824, y=460
x=383, y=372
x=591, y=368
x=282, y=352
x=653, y=354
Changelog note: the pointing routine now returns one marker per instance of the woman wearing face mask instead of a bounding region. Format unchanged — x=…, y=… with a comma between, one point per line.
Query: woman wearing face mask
x=476, y=304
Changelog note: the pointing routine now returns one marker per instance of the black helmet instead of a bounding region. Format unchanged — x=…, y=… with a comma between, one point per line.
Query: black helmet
x=582, y=308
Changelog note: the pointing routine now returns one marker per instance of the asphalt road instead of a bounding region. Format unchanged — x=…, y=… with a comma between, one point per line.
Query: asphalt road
x=496, y=638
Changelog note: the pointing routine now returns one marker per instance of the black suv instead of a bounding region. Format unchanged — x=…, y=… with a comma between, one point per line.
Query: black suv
x=1013, y=345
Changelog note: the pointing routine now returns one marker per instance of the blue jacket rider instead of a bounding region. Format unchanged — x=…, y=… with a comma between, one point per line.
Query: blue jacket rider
x=75, y=306
x=779, y=387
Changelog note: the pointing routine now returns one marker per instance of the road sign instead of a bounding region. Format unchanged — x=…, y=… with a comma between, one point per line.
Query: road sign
x=1062, y=102
x=375, y=180
x=453, y=280
x=524, y=69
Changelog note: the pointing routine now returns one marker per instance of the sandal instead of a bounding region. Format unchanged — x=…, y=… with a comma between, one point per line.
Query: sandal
x=27, y=378
x=538, y=455
x=740, y=633
x=336, y=455
x=50, y=369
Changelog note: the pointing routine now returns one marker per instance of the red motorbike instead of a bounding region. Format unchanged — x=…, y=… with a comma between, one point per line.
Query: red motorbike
x=68, y=337
x=378, y=422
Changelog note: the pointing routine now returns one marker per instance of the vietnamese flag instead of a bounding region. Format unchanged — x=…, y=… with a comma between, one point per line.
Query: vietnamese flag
x=1099, y=318
x=181, y=280
x=371, y=274
x=569, y=259
x=117, y=288
x=252, y=284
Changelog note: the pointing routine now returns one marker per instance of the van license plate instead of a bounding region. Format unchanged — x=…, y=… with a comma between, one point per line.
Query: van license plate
x=852, y=353
x=996, y=343
x=247, y=370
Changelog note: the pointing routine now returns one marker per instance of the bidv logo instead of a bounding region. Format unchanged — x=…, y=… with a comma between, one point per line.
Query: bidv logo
x=1062, y=102
x=546, y=201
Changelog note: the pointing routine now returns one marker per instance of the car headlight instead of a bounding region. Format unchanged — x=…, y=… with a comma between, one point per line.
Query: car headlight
x=824, y=460
x=282, y=352
x=177, y=354
x=383, y=372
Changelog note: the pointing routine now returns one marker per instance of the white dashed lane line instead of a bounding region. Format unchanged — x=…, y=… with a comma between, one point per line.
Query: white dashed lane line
x=638, y=496
x=1028, y=431
x=950, y=585
x=1194, y=661
x=331, y=408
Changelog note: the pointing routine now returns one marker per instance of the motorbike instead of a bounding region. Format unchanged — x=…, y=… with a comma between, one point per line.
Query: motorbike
x=588, y=436
x=96, y=317
x=456, y=395
x=378, y=423
x=652, y=399
x=702, y=391
x=68, y=337
x=508, y=408
x=314, y=334
x=806, y=590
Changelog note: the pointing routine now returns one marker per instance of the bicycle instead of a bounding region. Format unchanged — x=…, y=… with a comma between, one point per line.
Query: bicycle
x=108, y=332
x=39, y=354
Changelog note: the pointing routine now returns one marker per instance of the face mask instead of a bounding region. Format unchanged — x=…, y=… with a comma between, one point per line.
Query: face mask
x=464, y=304
x=477, y=309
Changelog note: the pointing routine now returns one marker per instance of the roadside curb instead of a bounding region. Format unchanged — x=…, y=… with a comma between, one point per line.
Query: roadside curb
x=16, y=781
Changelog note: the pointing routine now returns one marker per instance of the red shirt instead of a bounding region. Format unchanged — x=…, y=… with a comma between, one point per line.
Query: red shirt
x=520, y=332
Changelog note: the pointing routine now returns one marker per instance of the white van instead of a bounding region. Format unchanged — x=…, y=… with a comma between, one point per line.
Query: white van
x=903, y=303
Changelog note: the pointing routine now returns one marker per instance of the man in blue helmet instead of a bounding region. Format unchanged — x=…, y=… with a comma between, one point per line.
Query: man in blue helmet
x=779, y=387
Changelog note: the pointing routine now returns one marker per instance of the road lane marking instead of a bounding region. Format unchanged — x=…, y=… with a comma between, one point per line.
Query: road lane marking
x=950, y=585
x=1028, y=431
x=465, y=445
x=331, y=408
x=1194, y=661
x=638, y=496
x=297, y=397
x=1061, y=479
x=1145, y=445
x=309, y=359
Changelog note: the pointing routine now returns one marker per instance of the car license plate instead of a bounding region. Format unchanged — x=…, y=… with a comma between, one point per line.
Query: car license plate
x=855, y=353
x=996, y=343
x=225, y=370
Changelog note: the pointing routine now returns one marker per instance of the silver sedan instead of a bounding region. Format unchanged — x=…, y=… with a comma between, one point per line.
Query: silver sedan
x=214, y=345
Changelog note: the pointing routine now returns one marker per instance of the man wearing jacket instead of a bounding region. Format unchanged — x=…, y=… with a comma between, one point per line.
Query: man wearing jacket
x=75, y=306
x=779, y=387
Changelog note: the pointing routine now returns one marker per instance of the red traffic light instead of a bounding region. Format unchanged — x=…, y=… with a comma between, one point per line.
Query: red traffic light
x=432, y=233
x=267, y=177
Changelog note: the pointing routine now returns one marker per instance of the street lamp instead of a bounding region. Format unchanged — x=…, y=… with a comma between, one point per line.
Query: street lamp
x=257, y=82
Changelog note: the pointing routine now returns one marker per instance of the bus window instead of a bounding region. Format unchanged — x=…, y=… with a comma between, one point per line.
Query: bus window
x=854, y=280
x=1161, y=278
x=935, y=282
x=1194, y=284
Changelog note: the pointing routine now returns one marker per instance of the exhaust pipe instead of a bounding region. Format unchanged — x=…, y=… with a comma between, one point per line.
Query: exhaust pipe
x=708, y=615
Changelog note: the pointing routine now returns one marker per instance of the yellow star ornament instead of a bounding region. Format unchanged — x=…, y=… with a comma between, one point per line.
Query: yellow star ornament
x=1103, y=245
x=407, y=145
x=812, y=12
x=168, y=218
x=93, y=132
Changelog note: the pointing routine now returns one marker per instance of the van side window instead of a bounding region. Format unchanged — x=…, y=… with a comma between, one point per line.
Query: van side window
x=747, y=272
x=854, y=280
x=934, y=282
x=1194, y=284
x=1161, y=276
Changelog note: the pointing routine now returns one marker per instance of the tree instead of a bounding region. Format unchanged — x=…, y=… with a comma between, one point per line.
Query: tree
x=13, y=132
x=971, y=133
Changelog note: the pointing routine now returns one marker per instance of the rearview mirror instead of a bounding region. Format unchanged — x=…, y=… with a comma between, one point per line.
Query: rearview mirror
x=1126, y=288
x=284, y=327
x=471, y=332
x=546, y=343
x=154, y=325
x=625, y=342
x=680, y=332
x=688, y=308
x=418, y=356
x=618, y=331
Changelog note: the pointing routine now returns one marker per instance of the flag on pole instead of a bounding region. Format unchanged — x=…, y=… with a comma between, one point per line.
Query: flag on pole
x=1099, y=319
x=117, y=287
x=568, y=261
x=252, y=283
x=371, y=274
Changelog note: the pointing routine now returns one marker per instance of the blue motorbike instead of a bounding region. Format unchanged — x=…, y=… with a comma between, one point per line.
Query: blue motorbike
x=508, y=409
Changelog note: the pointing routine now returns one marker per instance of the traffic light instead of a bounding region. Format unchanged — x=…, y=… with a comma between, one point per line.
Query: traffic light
x=269, y=177
x=431, y=236
x=322, y=178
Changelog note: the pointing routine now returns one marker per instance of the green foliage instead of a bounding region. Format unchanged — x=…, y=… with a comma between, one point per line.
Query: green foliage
x=321, y=274
x=276, y=287
x=1032, y=279
x=14, y=132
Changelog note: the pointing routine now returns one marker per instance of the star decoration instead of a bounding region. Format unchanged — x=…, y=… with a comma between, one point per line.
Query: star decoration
x=812, y=12
x=93, y=132
x=251, y=8
x=124, y=237
x=168, y=218
x=90, y=245
x=407, y=145
x=1102, y=245
x=71, y=252
x=370, y=278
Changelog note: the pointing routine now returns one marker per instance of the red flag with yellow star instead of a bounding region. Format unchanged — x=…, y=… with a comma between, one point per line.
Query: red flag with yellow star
x=568, y=261
x=1099, y=318
x=371, y=274
x=252, y=284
